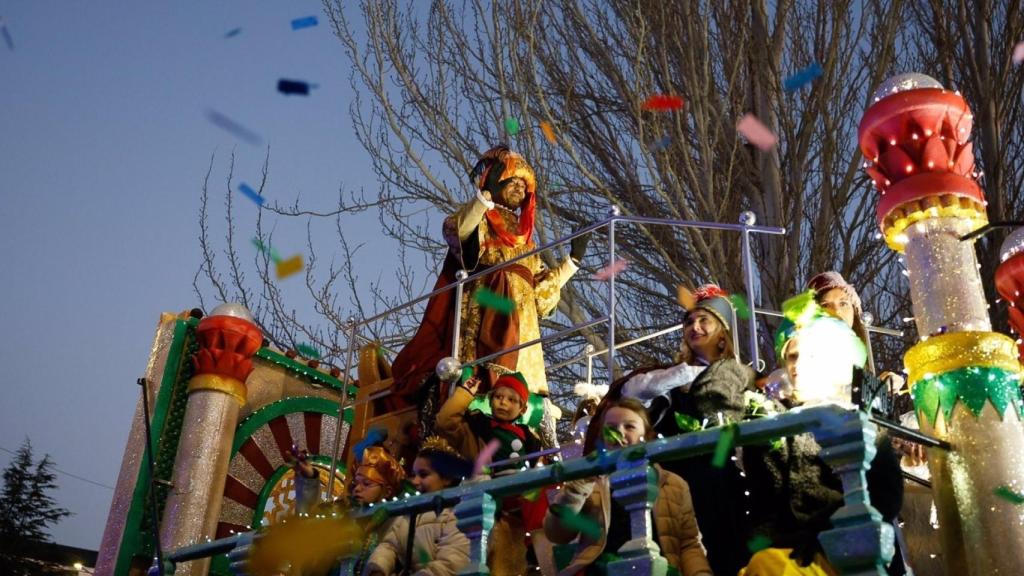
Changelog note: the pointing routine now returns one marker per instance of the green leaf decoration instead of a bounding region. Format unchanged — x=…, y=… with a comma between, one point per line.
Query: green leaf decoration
x=758, y=543
x=488, y=299
x=726, y=441
x=973, y=385
x=687, y=423
x=1008, y=494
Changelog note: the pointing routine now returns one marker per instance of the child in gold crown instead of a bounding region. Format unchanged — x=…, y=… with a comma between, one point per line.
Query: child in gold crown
x=471, y=432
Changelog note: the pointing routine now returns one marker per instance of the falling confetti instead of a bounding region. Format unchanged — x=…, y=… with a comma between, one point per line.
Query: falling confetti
x=422, y=556
x=293, y=87
x=663, y=103
x=756, y=132
x=7, y=35
x=687, y=423
x=498, y=303
x=611, y=435
x=308, y=351
x=611, y=270
x=739, y=303
x=661, y=144
x=250, y=193
x=726, y=440
x=233, y=33
x=1008, y=494
x=531, y=495
x=467, y=373
x=241, y=132
x=576, y=521
x=286, y=268
x=802, y=77
x=307, y=22
x=758, y=543
x=268, y=250
x=484, y=458
x=549, y=132
x=511, y=126
x=685, y=298
x=1018, y=53
x=309, y=545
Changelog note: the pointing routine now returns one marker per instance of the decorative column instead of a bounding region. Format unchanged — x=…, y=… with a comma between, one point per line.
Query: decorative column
x=1010, y=282
x=916, y=139
x=228, y=339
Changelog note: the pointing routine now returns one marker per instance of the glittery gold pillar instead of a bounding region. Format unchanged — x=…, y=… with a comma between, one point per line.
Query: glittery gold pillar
x=916, y=138
x=200, y=472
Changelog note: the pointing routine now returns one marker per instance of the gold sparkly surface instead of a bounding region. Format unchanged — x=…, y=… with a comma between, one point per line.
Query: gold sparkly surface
x=947, y=352
x=132, y=460
x=945, y=285
x=243, y=471
x=297, y=429
x=219, y=383
x=899, y=219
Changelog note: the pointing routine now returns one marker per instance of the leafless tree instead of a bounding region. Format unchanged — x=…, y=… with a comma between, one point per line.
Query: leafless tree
x=438, y=83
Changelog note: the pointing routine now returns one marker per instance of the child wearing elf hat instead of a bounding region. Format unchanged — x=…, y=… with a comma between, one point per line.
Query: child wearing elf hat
x=470, y=432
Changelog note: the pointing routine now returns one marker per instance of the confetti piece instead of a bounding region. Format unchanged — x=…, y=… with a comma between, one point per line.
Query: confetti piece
x=1008, y=494
x=802, y=77
x=663, y=103
x=308, y=351
x=233, y=33
x=239, y=131
x=611, y=270
x=739, y=303
x=726, y=440
x=687, y=423
x=307, y=22
x=485, y=457
x=286, y=268
x=611, y=435
x=268, y=250
x=250, y=193
x=7, y=35
x=661, y=144
x=488, y=299
x=549, y=132
x=1018, y=53
x=512, y=126
x=685, y=298
x=576, y=521
x=467, y=373
x=293, y=87
x=756, y=132
x=309, y=545
x=531, y=495
x=758, y=543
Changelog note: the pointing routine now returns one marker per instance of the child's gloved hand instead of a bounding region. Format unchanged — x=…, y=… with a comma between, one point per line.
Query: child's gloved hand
x=582, y=488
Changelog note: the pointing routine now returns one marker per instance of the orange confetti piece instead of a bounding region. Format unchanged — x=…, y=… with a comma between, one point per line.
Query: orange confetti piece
x=549, y=132
x=686, y=298
x=663, y=103
x=286, y=268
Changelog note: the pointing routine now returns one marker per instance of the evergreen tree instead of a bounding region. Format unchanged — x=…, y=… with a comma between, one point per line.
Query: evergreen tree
x=27, y=510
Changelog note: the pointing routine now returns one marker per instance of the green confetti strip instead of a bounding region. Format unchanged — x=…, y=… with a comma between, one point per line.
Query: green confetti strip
x=422, y=556
x=758, y=543
x=687, y=423
x=611, y=435
x=532, y=495
x=308, y=351
x=488, y=299
x=576, y=521
x=1008, y=494
x=512, y=126
x=467, y=373
x=739, y=303
x=726, y=441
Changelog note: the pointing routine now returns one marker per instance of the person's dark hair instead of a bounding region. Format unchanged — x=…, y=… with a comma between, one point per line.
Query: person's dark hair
x=445, y=460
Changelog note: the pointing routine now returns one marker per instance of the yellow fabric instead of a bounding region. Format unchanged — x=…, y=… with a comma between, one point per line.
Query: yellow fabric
x=776, y=562
x=946, y=352
x=532, y=302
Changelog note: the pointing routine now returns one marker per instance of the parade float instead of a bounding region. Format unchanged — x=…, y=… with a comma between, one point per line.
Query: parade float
x=226, y=408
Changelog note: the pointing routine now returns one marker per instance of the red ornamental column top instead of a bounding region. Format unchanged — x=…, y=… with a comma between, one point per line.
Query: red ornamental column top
x=916, y=141
x=228, y=339
x=1010, y=282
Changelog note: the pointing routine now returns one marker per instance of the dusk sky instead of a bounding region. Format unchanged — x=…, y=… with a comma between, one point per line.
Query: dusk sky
x=104, y=143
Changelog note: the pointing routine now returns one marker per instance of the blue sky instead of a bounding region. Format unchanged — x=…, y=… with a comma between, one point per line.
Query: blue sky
x=104, y=143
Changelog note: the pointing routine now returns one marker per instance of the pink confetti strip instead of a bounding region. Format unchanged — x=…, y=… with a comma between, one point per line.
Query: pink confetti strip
x=756, y=133
x=483, y=459
x=1018, y=53
x=611, y=270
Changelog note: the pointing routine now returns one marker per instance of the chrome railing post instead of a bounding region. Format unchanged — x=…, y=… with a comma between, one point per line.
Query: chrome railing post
x=613, y=213
x=345, y=383
x=748, y=219
x=460, y=279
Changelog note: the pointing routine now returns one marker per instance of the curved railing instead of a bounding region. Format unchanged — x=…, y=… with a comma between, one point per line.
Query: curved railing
x=858, y=543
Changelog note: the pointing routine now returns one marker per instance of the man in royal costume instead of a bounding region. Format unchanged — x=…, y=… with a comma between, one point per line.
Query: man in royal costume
x=492, y=228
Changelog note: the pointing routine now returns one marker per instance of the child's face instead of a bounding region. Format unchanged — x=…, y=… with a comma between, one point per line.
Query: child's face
x=792, y=355
x=506, y=405
x=425, y=479
x=366, y=491
x=627, y=423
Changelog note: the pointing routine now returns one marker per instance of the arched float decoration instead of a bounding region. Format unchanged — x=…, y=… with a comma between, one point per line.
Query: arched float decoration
x=258, y=454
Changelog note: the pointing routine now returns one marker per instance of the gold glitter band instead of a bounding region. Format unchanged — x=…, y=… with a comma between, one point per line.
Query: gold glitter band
x=943, y=206
x=225, y=384
x=945, y=352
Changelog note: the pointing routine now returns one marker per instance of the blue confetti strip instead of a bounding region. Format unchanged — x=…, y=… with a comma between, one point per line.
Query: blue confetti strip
x=250, y=193
x=802, y=77
x=7, y=36
x=307, y=22
x=239, y=131
x=233, y=33
x=293, y=87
